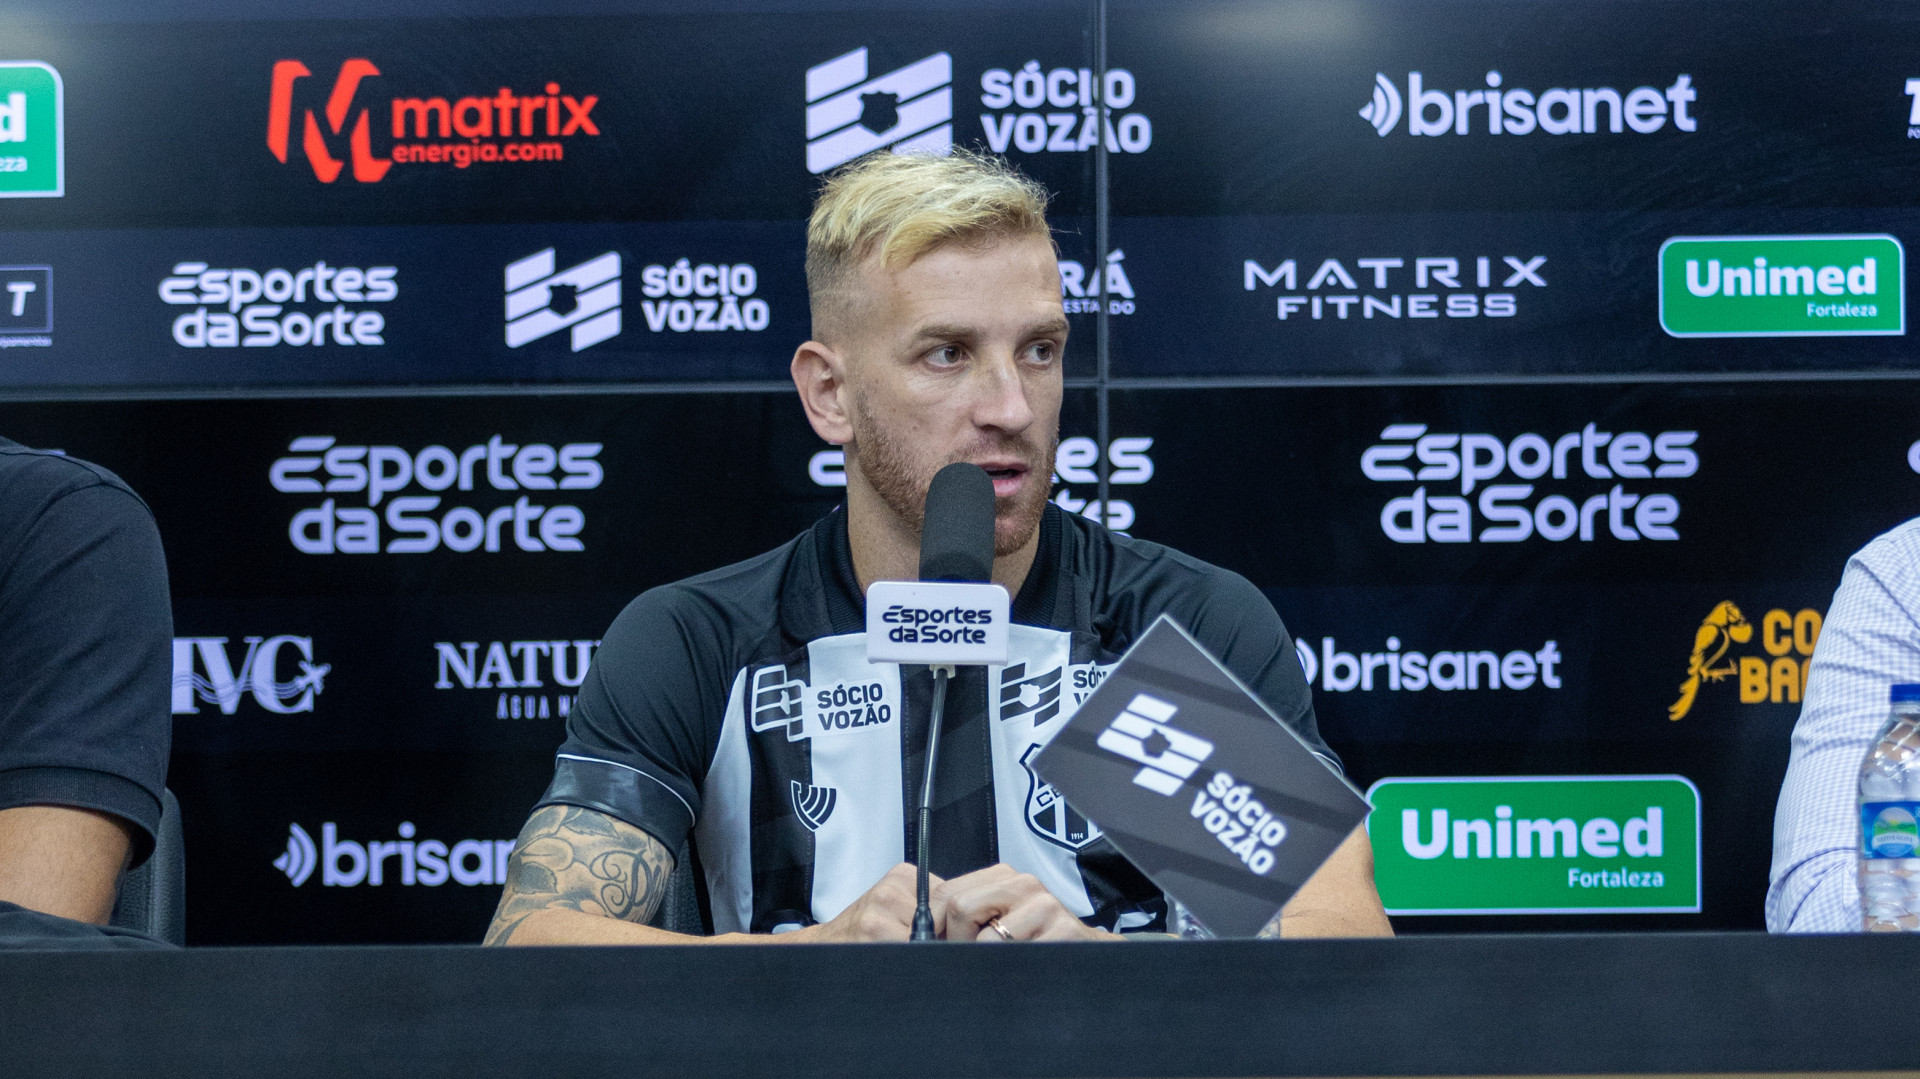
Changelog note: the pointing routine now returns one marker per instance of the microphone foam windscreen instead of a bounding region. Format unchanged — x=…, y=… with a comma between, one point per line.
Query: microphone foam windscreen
x=956, y=535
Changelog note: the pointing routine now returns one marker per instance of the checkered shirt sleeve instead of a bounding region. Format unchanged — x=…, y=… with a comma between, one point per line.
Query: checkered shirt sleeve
x=1869, y=641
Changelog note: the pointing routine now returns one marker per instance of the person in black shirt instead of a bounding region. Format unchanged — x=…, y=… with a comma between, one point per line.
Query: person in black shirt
x=736, y=709
x=86, y=634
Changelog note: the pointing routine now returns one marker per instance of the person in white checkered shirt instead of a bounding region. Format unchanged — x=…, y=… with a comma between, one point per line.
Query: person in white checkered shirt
x=1870, y=641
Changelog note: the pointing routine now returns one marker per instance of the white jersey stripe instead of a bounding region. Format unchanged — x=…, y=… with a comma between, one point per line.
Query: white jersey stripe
x=854, y=733
x=724, y=832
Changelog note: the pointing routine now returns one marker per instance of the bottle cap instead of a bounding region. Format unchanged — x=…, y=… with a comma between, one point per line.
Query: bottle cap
x=1906, y=691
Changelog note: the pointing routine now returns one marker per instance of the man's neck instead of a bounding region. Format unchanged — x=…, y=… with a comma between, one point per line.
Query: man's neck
x=886, y=548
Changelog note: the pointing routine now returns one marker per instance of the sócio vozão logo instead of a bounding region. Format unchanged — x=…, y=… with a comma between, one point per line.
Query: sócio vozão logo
x=583, y=299
x=1498, y=109
x=850, y=114
x=1057, y=110
x=1783, y=286
x=317, y=305
x=1770, y=670
x=204, y=673
x=1142, y=733
x=419, y=523
x=33, y=154
x=352, y=123
x=1564, y=494
x=1536, y=844
x=682, y=297
x=345, y=863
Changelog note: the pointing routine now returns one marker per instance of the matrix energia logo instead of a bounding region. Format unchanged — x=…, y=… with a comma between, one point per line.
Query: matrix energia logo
x=32, y=131
x=1783, y=286
x=1537, y=844
x=496, y=127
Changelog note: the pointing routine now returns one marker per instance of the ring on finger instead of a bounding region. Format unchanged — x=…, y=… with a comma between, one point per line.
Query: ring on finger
x=994, y=924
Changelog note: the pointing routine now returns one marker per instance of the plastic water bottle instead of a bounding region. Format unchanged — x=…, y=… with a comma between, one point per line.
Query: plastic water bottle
x=1890, y=821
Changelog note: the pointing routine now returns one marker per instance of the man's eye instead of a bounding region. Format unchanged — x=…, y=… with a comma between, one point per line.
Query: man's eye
x=945, y=355
x=1042, y=352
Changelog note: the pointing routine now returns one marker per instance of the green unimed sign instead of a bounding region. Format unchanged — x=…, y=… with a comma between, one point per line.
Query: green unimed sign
x=1783, y=286
x=1536, y=844
x=32, y=135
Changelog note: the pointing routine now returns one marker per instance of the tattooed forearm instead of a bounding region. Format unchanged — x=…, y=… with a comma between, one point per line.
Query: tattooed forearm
x=578, y=859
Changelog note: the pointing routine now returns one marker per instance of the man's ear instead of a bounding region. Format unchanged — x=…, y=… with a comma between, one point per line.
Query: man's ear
x=819, y=373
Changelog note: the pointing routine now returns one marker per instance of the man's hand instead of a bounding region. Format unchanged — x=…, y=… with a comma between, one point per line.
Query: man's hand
x=885, y=912
x=1024, y=907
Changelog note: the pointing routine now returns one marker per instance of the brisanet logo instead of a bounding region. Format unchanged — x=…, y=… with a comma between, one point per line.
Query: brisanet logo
x=1774, y=673
x=500, y=127
x=1783, y=286
x=32, y=131
x=1412, y=671
x=344, y=863
x=1515, y=111
x=1537, y=844
x=848, y=114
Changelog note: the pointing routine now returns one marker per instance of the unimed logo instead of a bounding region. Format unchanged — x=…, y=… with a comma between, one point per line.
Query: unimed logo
x=849, y=114
x=32, y=131
x=502, y=127
x=1536, y=844
x=344, y=863
x=1783, y=286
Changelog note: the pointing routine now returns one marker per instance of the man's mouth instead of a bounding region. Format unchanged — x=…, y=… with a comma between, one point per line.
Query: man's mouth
x=1007, y=477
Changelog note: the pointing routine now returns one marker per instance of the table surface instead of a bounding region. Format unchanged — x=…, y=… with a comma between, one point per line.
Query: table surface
x=1491, y=1005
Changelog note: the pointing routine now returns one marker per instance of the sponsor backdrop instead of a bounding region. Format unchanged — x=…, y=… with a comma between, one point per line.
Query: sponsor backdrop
x=1544, y=379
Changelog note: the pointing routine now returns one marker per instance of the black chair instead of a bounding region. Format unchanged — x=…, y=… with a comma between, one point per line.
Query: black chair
x=152, y=898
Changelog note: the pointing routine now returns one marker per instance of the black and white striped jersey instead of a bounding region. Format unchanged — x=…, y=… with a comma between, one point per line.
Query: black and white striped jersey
x=738, y=707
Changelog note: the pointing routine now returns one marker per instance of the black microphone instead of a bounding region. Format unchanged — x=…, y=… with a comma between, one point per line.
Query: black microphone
x=956, y=544
x=956, y=531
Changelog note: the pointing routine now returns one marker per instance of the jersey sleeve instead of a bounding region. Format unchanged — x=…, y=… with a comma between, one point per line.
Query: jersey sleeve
x=86, y=636
x=648, y=716
x=1233, y=620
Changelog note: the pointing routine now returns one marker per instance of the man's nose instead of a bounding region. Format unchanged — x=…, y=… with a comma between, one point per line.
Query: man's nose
x=1000, y=396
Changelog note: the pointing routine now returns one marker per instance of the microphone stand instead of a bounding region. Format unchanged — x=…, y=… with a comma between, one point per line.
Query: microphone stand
x=923, y=913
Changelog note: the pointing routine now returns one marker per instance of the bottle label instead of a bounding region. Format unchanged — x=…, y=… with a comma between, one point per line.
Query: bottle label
x=1889, y=829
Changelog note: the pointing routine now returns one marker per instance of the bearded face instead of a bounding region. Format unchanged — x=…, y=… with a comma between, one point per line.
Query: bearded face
x=900, y=468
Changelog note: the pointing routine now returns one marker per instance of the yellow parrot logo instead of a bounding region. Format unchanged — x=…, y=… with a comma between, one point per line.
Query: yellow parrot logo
x=1719, y=631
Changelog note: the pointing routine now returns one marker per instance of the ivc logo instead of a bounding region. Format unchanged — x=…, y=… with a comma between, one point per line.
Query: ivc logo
x=258, y=676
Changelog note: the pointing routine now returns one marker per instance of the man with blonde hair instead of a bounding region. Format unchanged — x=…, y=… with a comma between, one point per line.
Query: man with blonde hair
x=737, y=709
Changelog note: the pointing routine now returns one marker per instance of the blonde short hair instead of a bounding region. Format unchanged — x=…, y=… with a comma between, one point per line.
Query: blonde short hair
x=906, y=205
